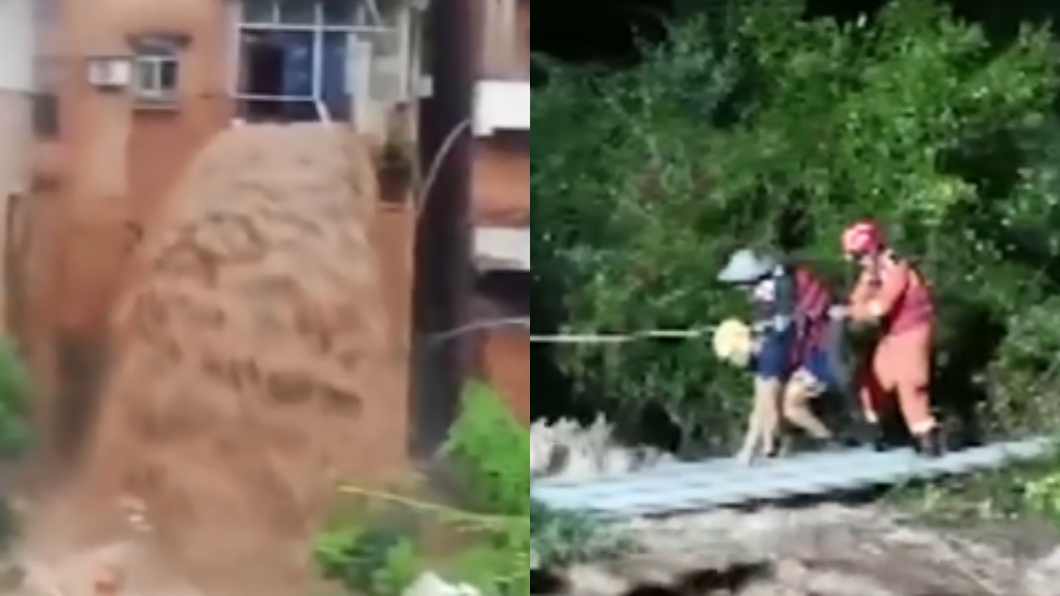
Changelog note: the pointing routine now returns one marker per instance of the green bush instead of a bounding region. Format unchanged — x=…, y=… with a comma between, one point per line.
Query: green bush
x=506, y=534
x=777, y=131
x=489, y=449
x=15, y=428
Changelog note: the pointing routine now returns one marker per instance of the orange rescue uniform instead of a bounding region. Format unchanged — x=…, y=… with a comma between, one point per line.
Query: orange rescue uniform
x=896, y=295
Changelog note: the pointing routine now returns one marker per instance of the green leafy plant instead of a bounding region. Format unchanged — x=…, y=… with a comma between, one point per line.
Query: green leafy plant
x=489, y=450
x=1043, y=494
x=15, y=431
x=769, y=129
x=504, y=534
x=560, y=537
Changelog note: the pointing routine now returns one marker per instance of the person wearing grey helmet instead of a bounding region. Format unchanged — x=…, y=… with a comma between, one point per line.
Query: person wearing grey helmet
x=793, y=311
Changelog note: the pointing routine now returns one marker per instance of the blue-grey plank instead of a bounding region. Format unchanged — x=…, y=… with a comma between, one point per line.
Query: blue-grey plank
x=769, y=482
x=721, y=483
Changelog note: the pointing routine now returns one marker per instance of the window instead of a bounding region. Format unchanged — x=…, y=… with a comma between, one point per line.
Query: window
x=156, y=69
x=296, y=56
x=45, y=116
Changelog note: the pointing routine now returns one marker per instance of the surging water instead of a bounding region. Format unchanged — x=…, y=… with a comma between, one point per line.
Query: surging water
x=250, y=370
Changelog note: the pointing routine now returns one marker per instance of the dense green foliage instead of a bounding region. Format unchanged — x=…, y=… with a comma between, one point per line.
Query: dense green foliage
x=489, y=449
x=15, y=427
x=761, y=128
x=491, y=543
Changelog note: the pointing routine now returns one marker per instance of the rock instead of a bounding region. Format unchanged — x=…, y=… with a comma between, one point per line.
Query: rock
x=1043, y=577
x=821, y=551
x=429, y=584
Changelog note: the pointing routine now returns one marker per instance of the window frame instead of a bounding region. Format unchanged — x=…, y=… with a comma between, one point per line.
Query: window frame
x=363, y=13
x=152, y=55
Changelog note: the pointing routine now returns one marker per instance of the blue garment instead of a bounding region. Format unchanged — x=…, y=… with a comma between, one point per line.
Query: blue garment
x=819, y=365
x=774, y=356
x=773, y=360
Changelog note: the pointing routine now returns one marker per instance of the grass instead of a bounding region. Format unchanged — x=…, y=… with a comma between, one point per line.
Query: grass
x=379, y=541
x=1028, y=492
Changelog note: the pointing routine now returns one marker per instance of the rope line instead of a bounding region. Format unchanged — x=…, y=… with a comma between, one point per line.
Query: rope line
x=620, y=338
x=572, y=338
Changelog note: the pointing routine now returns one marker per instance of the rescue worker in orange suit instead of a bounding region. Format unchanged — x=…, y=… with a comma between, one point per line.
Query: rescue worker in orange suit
x=892, y=294
x=790, y=364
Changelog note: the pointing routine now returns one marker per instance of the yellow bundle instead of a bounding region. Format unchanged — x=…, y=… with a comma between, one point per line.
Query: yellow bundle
x=734, y=342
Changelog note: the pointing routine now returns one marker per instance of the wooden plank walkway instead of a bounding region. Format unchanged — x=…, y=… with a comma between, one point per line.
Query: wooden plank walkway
x=712, y=484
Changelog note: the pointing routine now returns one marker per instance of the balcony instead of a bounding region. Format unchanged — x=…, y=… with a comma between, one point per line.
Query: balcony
x=502, y=249
x=502, y=106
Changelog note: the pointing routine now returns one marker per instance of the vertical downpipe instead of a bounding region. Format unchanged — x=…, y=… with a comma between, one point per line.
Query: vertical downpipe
x=443, y=269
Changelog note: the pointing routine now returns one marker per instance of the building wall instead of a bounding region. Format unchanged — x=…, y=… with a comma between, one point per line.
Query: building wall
x=501, y=183
x=504, y=352
x=16, y=85
x=112, y=167
x=501, y=194
x=505, y=39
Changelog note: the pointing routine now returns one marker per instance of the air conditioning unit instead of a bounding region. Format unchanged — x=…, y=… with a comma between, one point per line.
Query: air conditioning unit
x=109, y=72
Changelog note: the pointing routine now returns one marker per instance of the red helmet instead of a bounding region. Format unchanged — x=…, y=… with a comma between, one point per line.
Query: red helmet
x=863, y=237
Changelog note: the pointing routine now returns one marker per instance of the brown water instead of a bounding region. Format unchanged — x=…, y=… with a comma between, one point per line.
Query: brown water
x=249, y=359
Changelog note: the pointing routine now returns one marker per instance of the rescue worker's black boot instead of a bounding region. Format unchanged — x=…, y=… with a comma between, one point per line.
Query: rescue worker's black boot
x=873, y=435
x=930, y=444
x=831, y=445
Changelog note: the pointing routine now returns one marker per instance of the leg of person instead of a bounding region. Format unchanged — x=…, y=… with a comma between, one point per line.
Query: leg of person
x=912, y=370
x=803, y=387
x=764, y=422
x=873, y=401
x=765, y=419
x=842, y=367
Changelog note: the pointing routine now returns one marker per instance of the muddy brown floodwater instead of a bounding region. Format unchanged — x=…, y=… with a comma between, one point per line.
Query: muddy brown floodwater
x=249, y=369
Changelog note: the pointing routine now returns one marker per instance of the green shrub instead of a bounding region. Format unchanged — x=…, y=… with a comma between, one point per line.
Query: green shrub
x=490, y=451
x=1043, y=494
x=778, y=131
x=562, y=537
x=15, y=428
